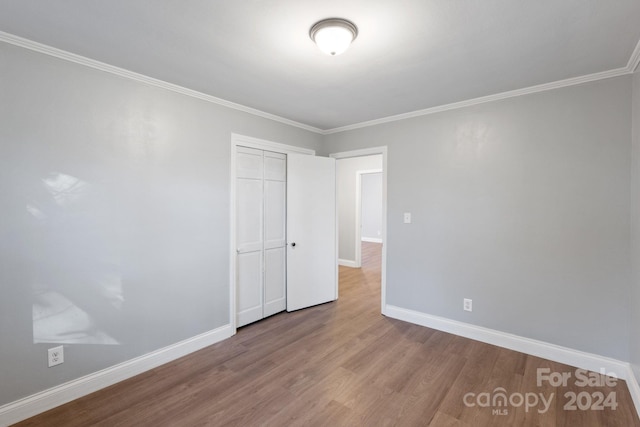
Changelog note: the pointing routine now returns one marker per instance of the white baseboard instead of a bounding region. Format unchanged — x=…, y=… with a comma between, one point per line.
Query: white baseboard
x=568, y=356
x=634, y=388
x=347, y=263
x=371, y=239
x=56, y=396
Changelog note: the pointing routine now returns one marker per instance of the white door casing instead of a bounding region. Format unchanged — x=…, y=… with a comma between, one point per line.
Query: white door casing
x=311, y=231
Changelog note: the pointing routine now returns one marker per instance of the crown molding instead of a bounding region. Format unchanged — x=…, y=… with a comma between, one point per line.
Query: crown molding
x=632, y=66
x=489, y=98
x=92, y=63
x=634, y=60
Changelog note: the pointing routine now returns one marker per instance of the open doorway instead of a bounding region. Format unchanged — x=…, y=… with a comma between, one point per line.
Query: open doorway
x=362, y=211
x=368, y=204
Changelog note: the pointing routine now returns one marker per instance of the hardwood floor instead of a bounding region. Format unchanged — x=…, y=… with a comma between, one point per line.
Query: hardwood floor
x=343, y=364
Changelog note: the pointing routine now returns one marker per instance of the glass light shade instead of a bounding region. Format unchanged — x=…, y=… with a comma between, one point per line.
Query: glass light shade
x=333, y=36
x=333, y=40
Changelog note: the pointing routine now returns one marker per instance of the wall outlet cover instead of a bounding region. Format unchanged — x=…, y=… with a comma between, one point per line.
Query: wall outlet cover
x=56, y=356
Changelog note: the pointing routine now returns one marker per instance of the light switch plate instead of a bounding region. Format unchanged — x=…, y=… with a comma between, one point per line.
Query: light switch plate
x=407, y=217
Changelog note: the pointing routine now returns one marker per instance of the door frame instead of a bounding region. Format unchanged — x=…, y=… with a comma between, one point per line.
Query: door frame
x=358, y=230
x=368, y=152
x=238, y=140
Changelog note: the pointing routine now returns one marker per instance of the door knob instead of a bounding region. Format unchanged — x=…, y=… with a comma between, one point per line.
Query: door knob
x=293, y=244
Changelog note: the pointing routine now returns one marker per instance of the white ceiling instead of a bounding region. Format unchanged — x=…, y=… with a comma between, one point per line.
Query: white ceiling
x=410, y=54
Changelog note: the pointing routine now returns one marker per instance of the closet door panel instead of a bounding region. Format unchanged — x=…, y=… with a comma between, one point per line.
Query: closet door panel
x=249, y=235
x=249, y=163
x=275, y=214
x=249, y=283
x=249, y=215
x=275, y=166
x=261, y=234
x=275, y=190
x=275, y=284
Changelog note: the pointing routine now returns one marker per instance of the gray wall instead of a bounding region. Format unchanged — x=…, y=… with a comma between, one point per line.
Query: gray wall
x=371, y=205
x=115, y=201
x=346, y=181
x=635, y=230
x=520, y=204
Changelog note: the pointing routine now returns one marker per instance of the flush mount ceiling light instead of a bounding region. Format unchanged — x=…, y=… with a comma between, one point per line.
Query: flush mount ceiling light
x=334, y=35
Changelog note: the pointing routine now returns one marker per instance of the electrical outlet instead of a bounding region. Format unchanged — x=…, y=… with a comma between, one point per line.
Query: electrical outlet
x=467, y=304
x=56, y=356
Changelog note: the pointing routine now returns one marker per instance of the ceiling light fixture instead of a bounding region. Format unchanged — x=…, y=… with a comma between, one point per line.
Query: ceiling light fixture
x=334, y=35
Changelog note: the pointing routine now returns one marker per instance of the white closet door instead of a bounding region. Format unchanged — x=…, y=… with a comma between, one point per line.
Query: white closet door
x=275, y=188
x=250, y=232
x=261, y=187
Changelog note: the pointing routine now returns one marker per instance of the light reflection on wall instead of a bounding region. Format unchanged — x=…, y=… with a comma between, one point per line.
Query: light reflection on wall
x=471, y=140
x=77, y=288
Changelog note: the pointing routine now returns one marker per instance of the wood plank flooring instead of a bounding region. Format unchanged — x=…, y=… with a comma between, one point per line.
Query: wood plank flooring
x=343, y=364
